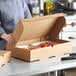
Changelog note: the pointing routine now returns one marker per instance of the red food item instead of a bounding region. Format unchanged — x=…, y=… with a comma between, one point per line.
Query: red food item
x=44, y=44
x=32, y=47
x=35, y=47
x=38, y=46
x=52, y=44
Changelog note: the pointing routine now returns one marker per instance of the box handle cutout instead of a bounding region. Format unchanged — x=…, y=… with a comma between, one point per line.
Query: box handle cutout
x=35, y=60
x=51, y=57
x=2, y=65
x=2, y=55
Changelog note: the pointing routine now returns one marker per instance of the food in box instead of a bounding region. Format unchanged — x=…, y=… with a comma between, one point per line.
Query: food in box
x=37, y=45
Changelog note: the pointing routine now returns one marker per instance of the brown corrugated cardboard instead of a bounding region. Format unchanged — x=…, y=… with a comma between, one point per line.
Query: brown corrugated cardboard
x=4, y=57
x=38, y=29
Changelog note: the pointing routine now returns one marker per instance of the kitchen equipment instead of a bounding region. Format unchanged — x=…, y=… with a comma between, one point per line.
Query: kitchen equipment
x=69, y=30
x=70, y=25
x=65, y=6
x=74, y=5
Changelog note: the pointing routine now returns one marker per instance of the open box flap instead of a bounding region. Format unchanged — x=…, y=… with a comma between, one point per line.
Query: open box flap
x=39, y=27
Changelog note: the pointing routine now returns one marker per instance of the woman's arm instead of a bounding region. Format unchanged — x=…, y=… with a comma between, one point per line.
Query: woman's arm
x=3, y=35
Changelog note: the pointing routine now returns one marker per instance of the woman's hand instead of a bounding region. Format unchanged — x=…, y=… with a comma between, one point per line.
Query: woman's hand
x=8, y=37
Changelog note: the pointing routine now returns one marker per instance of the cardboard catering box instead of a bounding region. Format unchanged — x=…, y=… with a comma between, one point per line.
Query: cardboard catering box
x=33, y=30
x=4, y=57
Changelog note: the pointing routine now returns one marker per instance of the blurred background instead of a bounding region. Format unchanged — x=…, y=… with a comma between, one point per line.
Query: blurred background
x=45, y=7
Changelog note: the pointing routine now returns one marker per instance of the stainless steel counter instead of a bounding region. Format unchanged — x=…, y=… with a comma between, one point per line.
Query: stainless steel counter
x=22, y=68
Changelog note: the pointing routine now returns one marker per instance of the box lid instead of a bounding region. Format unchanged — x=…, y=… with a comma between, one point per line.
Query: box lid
x=39, y=27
